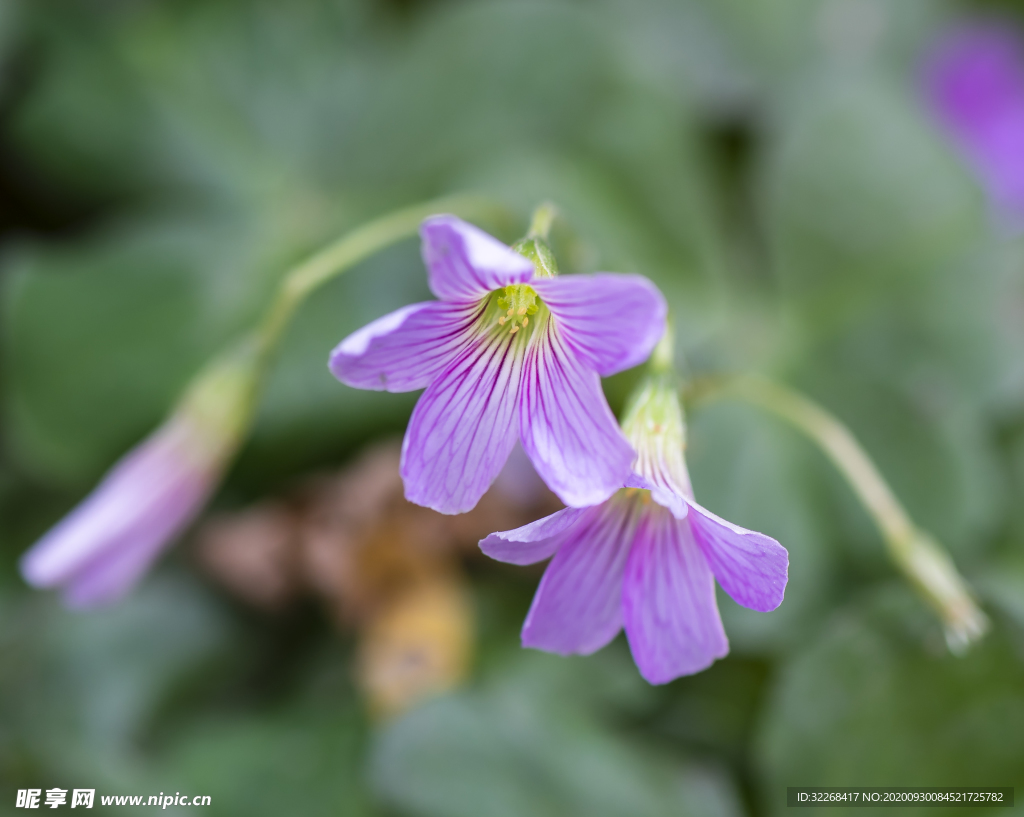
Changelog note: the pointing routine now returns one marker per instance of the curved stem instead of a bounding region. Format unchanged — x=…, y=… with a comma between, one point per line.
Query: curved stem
x=662, y=358
x=916, y=553
x=540, y=224
x=352, y=248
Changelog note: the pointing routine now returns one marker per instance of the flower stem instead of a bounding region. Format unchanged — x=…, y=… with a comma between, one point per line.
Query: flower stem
x=352, y=248
x=250, y=354
x=543, y=217
x=534, y=245
x=915, y=552
x=662, y=358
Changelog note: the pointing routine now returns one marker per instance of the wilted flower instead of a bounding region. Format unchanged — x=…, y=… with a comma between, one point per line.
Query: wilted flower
x=646, y=559
x=974, y=80
x=418, y=644
x=385, y=567
x=254, y=552
x=105, y=545
x=510, y=351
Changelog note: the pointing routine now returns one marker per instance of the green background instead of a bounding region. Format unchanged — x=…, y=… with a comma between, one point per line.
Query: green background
x=769, y=164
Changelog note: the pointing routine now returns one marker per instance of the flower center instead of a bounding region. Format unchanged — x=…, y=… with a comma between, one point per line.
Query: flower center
x=518, y=303
x=641, y=495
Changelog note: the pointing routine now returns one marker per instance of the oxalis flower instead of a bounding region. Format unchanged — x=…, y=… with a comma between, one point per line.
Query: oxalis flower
x=974, y=85
x=647, y=559
x=510, y=351
x=104, y=546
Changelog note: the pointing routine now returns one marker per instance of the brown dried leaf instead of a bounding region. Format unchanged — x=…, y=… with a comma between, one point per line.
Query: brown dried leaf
x=253, y=553
x=417, y=645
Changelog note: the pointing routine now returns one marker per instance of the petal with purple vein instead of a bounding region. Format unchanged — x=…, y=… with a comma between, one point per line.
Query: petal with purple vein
x=751, y=567
x=611, y=322
x=464, y=263
x=534, y=542
x=668, y=601
x=566, y=427
x=464, y=426
x=406, y=349
x=578, y=606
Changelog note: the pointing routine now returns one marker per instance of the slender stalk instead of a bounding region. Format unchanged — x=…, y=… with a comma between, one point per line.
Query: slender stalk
x=350, y=249
x=915, y=552
x=662, y=358
x=543, y=217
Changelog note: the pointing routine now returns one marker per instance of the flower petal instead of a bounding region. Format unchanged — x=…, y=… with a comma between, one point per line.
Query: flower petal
x=566, y=427
x=974, y=81
x=463, y=427
x=153, y=483
x=145, y=500
x=113, y=573
x=406, y=349
x=751, y=567
x=464, y=263
x=611, y=322
x=518, y=483
x=665, y=496
x=534, y=542
x=668, y=601
x=578, y=606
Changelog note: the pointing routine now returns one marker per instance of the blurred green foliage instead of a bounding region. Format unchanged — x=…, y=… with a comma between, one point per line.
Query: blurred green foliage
x=768, y=164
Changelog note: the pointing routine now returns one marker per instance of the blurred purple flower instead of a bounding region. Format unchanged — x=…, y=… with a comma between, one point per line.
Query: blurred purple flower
x=508, y=353
x=974, y=83
x=645, y=560
x=103, y=547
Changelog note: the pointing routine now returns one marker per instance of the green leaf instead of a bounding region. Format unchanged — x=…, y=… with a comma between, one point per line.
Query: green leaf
x=872, y=703
x=103, y=334
x=517, y=747
x=99, y=341
x=861, y=198
x=272, y=762
x=79, y=691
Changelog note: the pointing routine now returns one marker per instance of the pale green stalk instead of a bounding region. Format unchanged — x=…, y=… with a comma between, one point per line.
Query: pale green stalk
x=217, y=407
x=222, y=397
x=914, y=551
x=354, y=247
x=543, y=218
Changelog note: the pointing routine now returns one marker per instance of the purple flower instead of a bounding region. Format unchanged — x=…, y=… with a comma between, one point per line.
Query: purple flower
x=646, y=559
x=974, y=82
x=509, y=352
x=104, y=546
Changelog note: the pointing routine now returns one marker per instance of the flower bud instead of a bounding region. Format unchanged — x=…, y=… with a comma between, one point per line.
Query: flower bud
x=100, y=550
x=653, y=424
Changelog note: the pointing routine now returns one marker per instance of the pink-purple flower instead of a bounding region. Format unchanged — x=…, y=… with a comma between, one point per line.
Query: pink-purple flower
x=100, y=550
x=509, y=352
x=645, y=560
x=974, y=83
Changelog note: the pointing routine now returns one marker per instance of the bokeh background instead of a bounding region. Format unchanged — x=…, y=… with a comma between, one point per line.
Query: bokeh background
x=777, y=168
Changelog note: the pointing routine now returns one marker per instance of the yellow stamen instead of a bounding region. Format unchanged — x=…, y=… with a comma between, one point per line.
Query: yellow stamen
x=517, y=303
